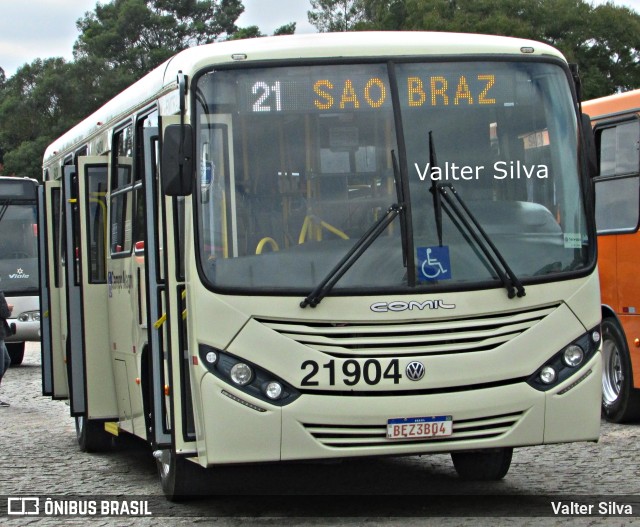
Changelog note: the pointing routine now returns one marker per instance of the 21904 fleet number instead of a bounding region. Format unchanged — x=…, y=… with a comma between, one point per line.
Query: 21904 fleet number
x=351, y=372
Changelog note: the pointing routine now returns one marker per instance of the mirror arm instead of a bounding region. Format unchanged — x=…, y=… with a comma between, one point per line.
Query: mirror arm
x=182, y=91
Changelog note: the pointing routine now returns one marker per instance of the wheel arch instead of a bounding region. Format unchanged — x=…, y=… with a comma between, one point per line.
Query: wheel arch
x=609, y=312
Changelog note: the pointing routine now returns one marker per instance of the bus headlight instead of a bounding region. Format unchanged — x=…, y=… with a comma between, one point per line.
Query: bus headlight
x=247, y=377
x=241, y=374
x=573, y=355
x=211, y=357
x=547, y=375
x=566, y=362
x=273, y=390
x=29, y=316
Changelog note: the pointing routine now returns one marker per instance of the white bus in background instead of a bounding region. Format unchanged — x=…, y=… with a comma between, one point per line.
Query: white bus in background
x=19, y=261
x=328, y=246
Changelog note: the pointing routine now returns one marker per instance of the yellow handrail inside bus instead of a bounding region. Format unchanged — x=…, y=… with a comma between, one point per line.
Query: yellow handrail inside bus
x=160, y=321
x=264, y=241
x=308, y=228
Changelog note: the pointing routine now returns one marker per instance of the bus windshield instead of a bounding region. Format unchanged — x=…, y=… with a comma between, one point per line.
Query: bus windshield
x=297, y=163
x=18, y=247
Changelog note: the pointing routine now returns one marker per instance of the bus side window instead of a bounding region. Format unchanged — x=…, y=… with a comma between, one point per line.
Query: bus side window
x=618, y=148
x=97, y=214
x=121, y=193
x=617, y=188
x=617, y=204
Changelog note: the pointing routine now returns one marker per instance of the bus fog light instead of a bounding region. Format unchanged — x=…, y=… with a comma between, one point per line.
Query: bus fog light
x=595, y=336
x=273, y=390
x=211, y=357
x=548, y=375
x=241, y=374
x=573, y=356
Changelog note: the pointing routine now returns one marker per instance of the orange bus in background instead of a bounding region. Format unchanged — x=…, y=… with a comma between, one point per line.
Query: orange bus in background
x=616, y=122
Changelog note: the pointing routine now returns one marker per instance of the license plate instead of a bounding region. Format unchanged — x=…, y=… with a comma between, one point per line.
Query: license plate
x=420, y=427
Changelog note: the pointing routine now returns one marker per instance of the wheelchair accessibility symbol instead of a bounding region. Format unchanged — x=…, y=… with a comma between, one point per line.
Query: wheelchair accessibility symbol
x=433, y=263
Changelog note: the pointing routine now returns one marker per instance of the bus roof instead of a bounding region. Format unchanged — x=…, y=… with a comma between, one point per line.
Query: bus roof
x=613, y=105
x=292, y=47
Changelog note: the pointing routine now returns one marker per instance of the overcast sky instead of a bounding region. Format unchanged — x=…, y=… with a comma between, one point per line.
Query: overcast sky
x=31, y=29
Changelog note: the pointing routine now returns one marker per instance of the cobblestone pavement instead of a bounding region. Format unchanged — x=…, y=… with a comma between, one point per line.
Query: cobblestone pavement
x=40, y=458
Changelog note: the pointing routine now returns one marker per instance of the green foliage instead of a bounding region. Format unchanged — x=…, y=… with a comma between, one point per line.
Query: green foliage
x=246, y=32
x=36, y=105
x=287, y=29
x=335, y=15
x=137, y=35
x=603, y=40
x=119, y=42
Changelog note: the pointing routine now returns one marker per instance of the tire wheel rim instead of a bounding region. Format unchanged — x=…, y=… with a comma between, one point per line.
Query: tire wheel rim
x=612, y=375
x=79, y=426
x=164, y=462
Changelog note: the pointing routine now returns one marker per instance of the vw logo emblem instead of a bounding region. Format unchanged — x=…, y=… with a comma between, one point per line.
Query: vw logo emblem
x=415, y=371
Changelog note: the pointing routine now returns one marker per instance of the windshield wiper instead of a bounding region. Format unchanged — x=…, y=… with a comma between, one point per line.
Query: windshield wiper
x=404, y=236
x=437, y=203
x=347, y=261
x=508, y=278
x=5, y=207
x=455, y=205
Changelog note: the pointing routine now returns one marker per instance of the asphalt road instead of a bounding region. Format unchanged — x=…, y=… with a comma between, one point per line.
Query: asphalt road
x=596, y=483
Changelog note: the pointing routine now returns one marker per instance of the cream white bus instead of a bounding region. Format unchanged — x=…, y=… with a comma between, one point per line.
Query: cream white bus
x=328, y=246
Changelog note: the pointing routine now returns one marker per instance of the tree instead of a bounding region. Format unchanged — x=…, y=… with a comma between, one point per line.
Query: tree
x=604, y=41
x=287, y=29
x=137, y=35
x=246, y=32
x=36, y=105
x=335, y=15
x=119, y=42
x=610, y=55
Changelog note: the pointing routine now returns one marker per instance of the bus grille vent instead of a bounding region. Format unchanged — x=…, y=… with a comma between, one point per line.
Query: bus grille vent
x=362, y=436
x=412, y=338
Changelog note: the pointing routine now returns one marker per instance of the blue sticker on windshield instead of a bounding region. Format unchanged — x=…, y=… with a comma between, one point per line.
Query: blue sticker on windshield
x=433, y=263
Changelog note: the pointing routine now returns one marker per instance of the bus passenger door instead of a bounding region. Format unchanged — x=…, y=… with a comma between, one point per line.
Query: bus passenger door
x=71, y=331
x=45, y=336
x=156, y=379
x=92, y=193
x=92, y=383
x=54, y=372
x=179, y=401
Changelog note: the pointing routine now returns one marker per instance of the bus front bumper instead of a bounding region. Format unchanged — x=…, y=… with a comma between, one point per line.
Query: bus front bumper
x=325, y=427
x=25, y=331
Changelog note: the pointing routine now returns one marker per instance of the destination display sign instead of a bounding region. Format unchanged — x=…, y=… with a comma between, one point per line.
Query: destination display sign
x=277, y=90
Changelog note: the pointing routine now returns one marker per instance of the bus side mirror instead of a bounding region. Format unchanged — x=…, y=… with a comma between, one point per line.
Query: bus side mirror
x=590, y=146
x=177, y=160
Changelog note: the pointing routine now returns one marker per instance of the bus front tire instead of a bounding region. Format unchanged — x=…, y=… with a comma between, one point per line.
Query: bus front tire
x=620, y=400
x=91, y=435
x=16, y=352
x=179, y=477
x=483, y=465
